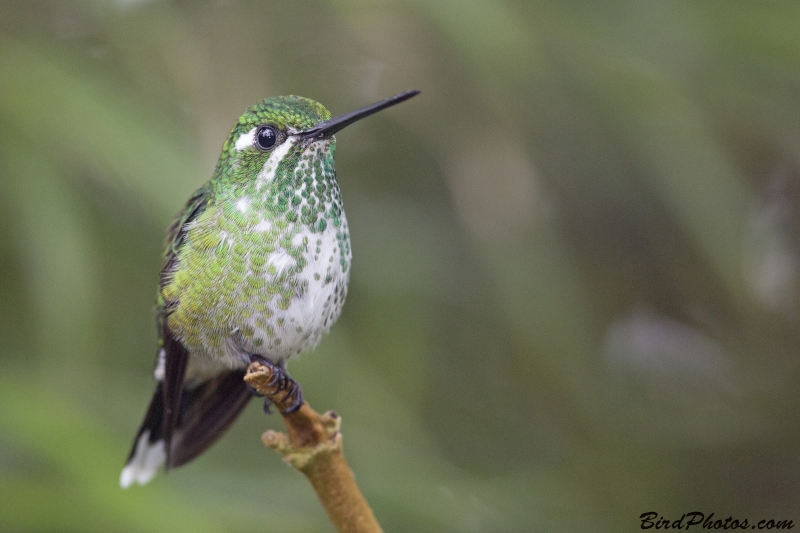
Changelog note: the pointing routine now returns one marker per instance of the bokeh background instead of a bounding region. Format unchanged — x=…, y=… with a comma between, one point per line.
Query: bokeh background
x=575, y=293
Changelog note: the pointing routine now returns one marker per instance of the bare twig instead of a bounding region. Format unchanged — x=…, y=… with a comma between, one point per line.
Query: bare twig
x=313, y=445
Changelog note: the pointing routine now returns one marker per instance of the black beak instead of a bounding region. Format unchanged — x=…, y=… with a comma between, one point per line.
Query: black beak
x=327, y=128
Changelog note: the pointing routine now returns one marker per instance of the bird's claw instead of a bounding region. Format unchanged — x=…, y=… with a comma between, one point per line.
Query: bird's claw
x=281, y=381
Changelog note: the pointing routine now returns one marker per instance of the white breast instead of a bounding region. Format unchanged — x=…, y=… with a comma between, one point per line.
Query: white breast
x=285, y=333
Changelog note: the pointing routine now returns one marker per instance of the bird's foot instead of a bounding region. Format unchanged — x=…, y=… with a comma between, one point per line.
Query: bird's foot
x=280, y=382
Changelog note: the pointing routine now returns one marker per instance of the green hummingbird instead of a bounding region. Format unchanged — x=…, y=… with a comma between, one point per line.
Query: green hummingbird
x=256, y=267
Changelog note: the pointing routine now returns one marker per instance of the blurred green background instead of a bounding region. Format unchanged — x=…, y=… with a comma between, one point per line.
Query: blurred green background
x=575, y=291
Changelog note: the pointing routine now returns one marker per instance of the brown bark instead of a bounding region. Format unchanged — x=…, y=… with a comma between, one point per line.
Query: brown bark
x=313, y=445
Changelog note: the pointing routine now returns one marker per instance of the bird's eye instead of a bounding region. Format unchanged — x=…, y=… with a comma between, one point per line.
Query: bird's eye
x=266, y=137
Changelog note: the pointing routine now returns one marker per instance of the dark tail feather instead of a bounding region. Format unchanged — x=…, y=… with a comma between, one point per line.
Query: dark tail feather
x=152, y=420
x=206, y=412
x=147, y=453
x=176, y=358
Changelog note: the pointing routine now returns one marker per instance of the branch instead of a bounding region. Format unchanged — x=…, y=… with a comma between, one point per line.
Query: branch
x=314, y=447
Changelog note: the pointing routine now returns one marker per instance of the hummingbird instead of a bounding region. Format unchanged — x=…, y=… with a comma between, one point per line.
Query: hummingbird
x=256, y=267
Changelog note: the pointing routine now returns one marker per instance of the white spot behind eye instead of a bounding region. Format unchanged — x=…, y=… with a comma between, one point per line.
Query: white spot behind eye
x=245, y=140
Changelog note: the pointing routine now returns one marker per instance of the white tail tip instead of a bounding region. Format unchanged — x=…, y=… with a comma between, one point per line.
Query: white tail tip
x=144, y=464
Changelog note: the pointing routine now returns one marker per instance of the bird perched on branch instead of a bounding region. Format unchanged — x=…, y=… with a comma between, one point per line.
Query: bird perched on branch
x=256, y=268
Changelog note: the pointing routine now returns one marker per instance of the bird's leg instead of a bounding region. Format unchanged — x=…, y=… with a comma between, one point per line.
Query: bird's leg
x=281, y=381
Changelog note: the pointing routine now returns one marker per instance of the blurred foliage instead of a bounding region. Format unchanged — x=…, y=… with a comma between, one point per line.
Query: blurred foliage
x=575, y=292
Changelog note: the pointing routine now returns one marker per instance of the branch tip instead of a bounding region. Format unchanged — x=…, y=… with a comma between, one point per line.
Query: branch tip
x=313, y=446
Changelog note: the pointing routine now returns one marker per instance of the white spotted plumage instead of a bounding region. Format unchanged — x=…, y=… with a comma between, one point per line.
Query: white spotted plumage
x=262, y=323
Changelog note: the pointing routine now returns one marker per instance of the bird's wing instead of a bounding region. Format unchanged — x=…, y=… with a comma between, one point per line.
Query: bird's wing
x=174, y=354
x=176, y=234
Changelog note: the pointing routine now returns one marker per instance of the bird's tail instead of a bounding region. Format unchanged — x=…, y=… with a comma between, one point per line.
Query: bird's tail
x=206, y=411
